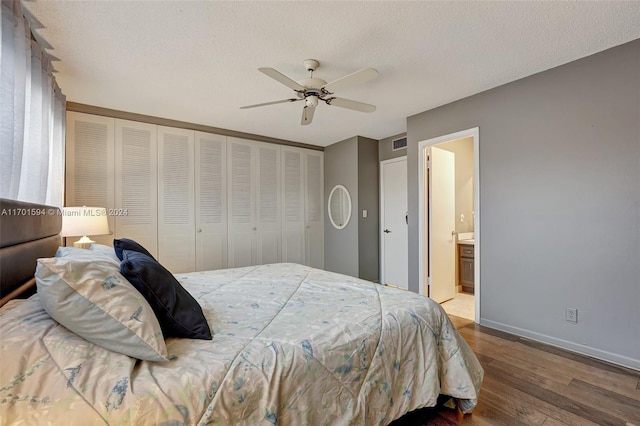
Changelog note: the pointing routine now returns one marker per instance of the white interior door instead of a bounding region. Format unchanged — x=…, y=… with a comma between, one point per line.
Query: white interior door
x=442, y=211
x=90, y=166
x=394, y=232
x=241, y=241
x=136, y=183
x=268, y=221
x=211, y=201
x=314, y=208
x=293, y=241
x=176, y=204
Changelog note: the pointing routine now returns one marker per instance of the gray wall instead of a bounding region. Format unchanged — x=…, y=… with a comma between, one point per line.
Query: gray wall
x=560, y=201
x=341, y=245
x=353, y=250
x=368, y=199
x=463, y=150
x=385, y=148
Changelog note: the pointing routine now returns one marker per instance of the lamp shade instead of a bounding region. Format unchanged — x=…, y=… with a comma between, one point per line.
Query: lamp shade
x=81, y=221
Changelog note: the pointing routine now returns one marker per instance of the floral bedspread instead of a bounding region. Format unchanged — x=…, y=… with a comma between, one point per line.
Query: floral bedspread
x=292, y=345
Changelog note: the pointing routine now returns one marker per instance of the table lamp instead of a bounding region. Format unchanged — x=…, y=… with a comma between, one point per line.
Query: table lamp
x=84, y=221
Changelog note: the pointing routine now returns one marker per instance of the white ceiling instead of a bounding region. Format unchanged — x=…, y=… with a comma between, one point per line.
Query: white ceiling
x=197, y=61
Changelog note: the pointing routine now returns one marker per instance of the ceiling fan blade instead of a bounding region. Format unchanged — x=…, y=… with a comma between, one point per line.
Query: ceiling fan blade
x=357, y=77
x=271, y=103
x=349, y=104
x=307, y=115
x=281, y=78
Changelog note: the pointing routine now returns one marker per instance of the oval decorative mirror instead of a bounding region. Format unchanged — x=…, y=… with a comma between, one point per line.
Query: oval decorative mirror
x=339, y=207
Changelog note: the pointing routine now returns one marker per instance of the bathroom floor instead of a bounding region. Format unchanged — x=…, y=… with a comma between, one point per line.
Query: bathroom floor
x=462, y=305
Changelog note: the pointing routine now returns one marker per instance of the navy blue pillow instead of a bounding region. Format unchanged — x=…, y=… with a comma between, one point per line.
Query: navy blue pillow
x=127, y=244
x=178, y=313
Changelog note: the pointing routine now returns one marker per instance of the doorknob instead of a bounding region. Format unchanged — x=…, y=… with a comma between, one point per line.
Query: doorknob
x=453, y=233
x=199, y=230
x=386, y=231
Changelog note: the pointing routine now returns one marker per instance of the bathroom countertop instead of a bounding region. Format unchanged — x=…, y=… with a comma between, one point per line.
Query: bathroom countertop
x=470, y=241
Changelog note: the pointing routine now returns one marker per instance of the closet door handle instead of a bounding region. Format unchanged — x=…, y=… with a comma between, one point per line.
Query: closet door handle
x=255, y=228
x=199, y=230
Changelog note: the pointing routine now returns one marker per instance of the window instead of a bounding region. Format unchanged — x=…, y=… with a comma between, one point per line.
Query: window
x=32, y=115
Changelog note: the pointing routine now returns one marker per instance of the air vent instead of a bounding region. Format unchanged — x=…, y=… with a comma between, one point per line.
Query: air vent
x=399, y=143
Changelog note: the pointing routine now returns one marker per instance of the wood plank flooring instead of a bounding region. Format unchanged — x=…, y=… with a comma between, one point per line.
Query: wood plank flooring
x=530, y=383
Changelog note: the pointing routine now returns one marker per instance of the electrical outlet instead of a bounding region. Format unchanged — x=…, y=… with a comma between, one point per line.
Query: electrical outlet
x=572, y=315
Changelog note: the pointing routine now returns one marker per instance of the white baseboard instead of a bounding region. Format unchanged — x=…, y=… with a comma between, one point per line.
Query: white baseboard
x=565, y=344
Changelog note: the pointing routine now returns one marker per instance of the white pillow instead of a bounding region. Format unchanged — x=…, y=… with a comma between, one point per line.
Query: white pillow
x=80, y=253
x=105, y=250
x=91, y=298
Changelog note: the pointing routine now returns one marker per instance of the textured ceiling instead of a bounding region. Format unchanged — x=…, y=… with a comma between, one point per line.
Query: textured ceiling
x=198, y=61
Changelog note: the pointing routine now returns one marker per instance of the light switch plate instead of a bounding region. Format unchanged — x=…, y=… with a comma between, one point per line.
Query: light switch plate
x=364, y=213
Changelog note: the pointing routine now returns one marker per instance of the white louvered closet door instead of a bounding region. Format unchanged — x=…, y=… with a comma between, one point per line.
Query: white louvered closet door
x=293, y=212
x=268, y=218
x=314, y=209
x=211, y=201
x=136, y=183
x=89, y=166
x=241, y=190
x=176, y=199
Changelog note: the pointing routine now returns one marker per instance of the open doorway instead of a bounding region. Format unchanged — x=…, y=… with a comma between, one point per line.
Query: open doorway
x=449, y=222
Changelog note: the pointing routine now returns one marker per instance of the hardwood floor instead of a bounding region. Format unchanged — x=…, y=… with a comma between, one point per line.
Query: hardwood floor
x=530, y=383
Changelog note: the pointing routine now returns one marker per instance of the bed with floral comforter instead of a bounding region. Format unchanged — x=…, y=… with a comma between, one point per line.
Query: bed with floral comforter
x=292, y=345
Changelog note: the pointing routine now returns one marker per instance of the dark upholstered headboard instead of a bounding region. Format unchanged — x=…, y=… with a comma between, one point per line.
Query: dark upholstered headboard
x=27, y=232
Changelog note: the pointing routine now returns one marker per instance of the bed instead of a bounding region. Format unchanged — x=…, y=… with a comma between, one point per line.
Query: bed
x=291, y=345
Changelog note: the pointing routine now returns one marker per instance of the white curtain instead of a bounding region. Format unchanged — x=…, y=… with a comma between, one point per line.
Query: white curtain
x=32, y=115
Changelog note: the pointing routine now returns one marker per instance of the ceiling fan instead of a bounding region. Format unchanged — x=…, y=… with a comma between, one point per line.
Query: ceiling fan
x=313, y=90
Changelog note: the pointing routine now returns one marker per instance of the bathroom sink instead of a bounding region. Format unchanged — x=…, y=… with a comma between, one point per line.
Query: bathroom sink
x=466, y=238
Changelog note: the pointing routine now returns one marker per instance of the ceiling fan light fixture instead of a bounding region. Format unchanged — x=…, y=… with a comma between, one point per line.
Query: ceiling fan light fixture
x=311, y=101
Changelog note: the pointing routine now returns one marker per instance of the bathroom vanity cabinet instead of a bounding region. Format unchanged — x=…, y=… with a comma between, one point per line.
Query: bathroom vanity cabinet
x=466, y=267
